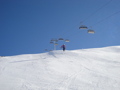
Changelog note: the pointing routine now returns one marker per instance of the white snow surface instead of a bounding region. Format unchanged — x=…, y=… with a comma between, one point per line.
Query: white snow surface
x=84, y=69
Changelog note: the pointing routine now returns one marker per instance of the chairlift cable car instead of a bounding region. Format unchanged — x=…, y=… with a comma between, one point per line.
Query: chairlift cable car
x=83, y=27
x=67, y=40
x=91, y=31
x=53, y=39
x=60, y=39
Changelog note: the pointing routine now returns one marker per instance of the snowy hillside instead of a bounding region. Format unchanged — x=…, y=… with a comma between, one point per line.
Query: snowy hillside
x=85, y=69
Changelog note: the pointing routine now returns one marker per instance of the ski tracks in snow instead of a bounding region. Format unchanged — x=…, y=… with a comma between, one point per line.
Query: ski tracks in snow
x=66, y=82
x=1, y=69
x=2, y=66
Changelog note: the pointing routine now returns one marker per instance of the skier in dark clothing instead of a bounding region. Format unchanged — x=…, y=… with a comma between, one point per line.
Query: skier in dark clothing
x=64, y=47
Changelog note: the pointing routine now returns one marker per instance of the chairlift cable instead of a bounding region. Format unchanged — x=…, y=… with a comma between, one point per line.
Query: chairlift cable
x=106, y=18
x=96, y=11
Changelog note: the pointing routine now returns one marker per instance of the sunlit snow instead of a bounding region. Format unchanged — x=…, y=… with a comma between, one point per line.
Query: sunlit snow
x=84, y=69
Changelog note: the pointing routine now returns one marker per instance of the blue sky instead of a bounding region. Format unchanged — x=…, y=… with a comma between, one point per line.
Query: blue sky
x=27, y=26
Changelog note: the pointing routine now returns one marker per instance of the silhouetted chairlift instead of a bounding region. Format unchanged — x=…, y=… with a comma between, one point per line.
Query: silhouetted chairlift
x=60, y=39
x=91, y=31
x=54, y=40
x=67, y=40
x=83, y=27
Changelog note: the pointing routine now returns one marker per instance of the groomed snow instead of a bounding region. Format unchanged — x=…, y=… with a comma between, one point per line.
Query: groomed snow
x=84, y=69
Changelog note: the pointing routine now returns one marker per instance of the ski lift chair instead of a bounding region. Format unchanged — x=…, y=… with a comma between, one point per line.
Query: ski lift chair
x=91, y=31
x=83, y=27
x=67, y=40
x=60, y=39
x=54, y=40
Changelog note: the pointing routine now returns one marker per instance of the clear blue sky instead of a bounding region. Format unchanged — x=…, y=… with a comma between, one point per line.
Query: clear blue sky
x=27, y=26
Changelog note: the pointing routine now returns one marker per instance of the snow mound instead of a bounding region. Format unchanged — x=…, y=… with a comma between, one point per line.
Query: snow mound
x=85, y=69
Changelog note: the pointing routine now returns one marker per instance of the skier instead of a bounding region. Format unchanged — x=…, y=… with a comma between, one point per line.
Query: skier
x=63, y=46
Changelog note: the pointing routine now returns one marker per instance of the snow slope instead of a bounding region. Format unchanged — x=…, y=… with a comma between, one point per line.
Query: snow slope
x=86, y=69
